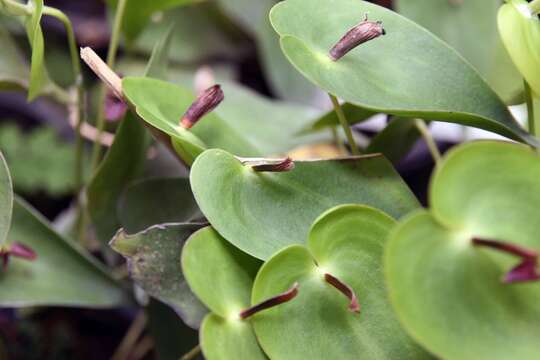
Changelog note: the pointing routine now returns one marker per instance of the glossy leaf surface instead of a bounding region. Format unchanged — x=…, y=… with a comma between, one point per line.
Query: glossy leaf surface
x=222, y=277
x=464, y=25
x=153, y=258
x=62, y=274
x=157, y=201
x=346, y=242
x=6, y=199
x=407, y=72
x=261, y=213
x=486, y=190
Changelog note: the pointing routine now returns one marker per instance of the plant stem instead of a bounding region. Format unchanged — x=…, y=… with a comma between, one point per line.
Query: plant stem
x=531, y=116
x=130, y=339
x=192, y=353
x=344, y=123
x=535, y=7
x=111, y=59
x=430, y=142
x=338, y=141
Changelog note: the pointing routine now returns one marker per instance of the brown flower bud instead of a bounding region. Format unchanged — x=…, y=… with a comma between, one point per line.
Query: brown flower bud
x=346, y=290
x=361, y=33
x=275, y=166
x=207, y=101
x=274, y=301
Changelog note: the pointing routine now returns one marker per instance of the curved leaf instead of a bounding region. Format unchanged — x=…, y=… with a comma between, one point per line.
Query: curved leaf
x=153, y=258
x=13, y=68
x=6, y=200
x=485, y=190
x=62, y=275
x=408, y=72
x=261, y=213
x=38, y=74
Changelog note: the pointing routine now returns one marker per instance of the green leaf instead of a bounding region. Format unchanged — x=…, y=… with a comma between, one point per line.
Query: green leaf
x=261, y=213
x=38, y=74
x=6, y=199
x=283, y=78
x=156, y=201
x=486, y=190
x=408, y=72
x=231, y=126
x=153, y=258
x=395, y=140
x=40, y=160
x=138, y=13
x=346, y=242
x=464, y=25
x=520, y=33
x=222, y=276
x=13, y=67
x=121, y=165
x=62, y=274
x=353, y=114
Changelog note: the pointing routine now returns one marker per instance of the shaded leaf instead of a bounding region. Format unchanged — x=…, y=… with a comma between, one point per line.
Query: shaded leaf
x=13, y=67
x=62, y=274
x=153, y=259
x=395, y=140
x=261, y=213
x=156, y=201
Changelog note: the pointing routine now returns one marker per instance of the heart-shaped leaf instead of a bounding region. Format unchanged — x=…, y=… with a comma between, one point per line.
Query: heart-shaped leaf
x=222, y=277
x=520, y=32
x=6, y=199
x=153, y=258
x=261, y=213
x=435, y=273
x=346, y=243
x=230, y=127
x=157, y=201
x=407, y=72
x=464, y=25
x=62, y=274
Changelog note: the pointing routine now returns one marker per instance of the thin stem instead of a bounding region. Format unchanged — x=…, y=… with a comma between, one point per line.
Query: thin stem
x=130, y=339
x=111, y=59
x=431, y=144
x=345, y=125
x=533, y=126
x=535, y=7
x=79, y=112
x=192, y=353
x=337, y=140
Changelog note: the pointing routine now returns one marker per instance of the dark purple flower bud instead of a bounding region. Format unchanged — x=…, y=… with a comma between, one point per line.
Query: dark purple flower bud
x=275, y=166
x=361, y=33
x=346, y=290
x=207, y=101
x=274, y=301
x=526, y=270
x=17, y=250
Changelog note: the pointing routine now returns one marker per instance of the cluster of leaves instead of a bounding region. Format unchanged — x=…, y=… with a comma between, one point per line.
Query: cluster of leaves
x=326, y=258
